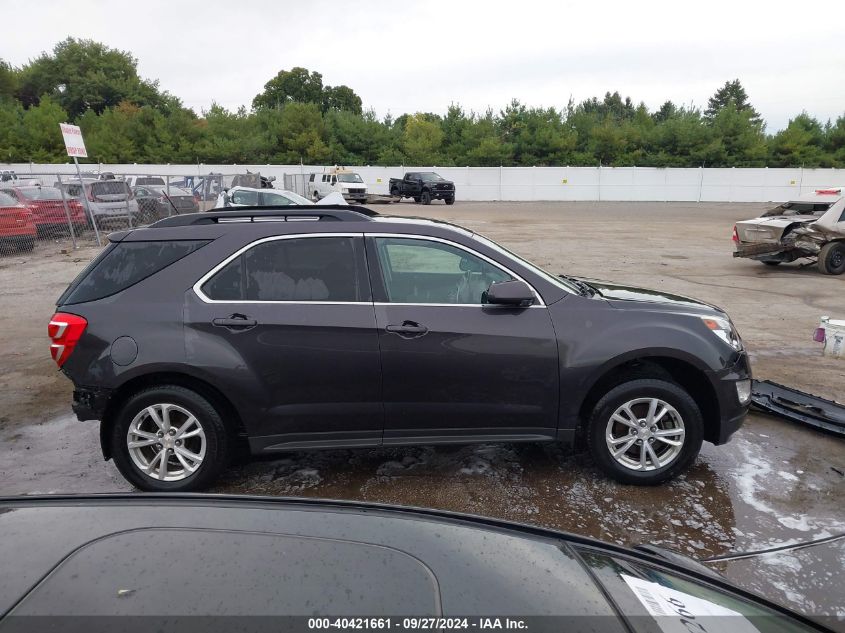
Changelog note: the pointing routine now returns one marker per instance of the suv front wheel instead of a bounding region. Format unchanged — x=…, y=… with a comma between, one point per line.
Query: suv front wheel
x=645, y=431
x=169, y=439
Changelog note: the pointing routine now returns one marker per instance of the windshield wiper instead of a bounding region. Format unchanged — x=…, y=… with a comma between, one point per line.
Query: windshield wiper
x=584, y=288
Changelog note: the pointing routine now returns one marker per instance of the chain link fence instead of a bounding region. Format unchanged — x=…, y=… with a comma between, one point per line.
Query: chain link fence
x=41, y=213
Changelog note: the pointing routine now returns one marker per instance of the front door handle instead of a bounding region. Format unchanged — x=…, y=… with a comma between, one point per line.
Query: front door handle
x=408, y=329
x=236, y=322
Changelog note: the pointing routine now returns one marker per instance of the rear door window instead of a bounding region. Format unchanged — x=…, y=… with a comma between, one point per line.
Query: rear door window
x=298, y=269
x=123, y=265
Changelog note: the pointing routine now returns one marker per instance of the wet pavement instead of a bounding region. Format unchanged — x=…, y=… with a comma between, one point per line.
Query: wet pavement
x=774, y=484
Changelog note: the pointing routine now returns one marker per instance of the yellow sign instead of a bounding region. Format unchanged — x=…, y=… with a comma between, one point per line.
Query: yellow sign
x=565, y=181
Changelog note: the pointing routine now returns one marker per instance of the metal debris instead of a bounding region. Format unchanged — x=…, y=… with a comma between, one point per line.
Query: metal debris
x=798, y=406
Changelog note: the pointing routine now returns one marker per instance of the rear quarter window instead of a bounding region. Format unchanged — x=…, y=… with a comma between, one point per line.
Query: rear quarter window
x=123, y=265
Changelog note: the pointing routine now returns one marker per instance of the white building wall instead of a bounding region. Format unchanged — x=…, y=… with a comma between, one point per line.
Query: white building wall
x=543, y=183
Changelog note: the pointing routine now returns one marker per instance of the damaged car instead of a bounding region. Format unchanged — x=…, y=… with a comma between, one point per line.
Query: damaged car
x=813, y=226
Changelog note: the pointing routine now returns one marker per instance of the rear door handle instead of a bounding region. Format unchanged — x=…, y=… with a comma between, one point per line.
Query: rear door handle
x=236, y=322
x=408, y=329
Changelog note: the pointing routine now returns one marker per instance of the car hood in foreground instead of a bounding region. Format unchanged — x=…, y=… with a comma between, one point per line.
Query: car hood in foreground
x=623, y=296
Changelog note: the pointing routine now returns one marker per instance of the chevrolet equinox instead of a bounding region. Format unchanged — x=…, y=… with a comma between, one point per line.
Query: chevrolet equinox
x=334, y=327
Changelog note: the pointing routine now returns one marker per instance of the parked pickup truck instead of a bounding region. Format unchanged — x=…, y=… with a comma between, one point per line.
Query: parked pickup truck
x=423, y=186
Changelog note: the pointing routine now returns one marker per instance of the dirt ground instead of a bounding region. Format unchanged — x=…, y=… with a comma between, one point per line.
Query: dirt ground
x=775, y=483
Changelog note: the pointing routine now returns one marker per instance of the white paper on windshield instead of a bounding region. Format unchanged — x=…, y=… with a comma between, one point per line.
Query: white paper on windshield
x=678, y=612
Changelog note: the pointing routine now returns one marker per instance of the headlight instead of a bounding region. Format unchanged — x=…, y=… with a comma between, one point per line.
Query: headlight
x=724, y=329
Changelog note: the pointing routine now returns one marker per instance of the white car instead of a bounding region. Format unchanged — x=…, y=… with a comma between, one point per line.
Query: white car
x=343, y=181
x=251, y=197
x=811, y=226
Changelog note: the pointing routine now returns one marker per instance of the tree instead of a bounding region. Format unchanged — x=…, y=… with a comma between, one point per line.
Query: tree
x=731, y=93
x=83, y=74
x=341, y=98
x=800, y=143
x=296, y=85
x=422, y=140
x=8, y=81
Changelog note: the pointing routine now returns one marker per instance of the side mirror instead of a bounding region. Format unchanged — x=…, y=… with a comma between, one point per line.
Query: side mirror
x=510, y=293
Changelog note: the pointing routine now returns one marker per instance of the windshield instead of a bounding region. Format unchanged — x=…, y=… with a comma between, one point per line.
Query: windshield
x=149, y=180
x=645, y=594
x=552, y=279
x=800, y=208
x=430, y=176
x=349, y=178
x=41, y=193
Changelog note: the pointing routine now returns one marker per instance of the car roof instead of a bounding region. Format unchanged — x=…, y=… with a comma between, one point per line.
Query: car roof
x=425, y=561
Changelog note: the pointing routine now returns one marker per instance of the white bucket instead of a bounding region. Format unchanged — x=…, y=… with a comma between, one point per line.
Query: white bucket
x=834, y=337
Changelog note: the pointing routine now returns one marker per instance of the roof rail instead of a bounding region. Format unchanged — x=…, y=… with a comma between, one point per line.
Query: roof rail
x=280, y=213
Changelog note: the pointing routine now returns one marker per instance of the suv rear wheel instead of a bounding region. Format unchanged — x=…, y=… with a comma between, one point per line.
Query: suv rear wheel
x=832, y=258
x=169, y=439
x=645, y=431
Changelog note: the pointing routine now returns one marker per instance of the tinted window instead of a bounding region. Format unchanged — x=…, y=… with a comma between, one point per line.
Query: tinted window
x=271, y=199
x=149, y=180
x=420, y=271
x=41, y=193
x=109, y=187
x=124, y=265
x=7, y=201
x=249, y=198
x=299, y=269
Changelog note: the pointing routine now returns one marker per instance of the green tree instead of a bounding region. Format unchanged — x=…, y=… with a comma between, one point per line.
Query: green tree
x=800, y=143
x=8, y=81
x=341, y=98
x=296, y=85
x=731, y=93
x=422, y=140
x=82, y=74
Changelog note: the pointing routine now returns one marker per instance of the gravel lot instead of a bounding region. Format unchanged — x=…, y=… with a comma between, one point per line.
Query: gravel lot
x=775, y=483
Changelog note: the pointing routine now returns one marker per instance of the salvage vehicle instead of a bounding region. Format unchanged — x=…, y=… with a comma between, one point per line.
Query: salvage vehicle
x=48, y=208
x=159, y=201
x=332, y=326
x=305, y=564
x=812, y=226
x=17, y=226
x=423, y=186
x=258, y=197
x=338, y=179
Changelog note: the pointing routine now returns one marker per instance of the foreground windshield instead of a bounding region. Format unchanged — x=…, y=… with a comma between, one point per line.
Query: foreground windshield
x=430, y=176
x=644, y=593
x=349, y=178
x=557, y=281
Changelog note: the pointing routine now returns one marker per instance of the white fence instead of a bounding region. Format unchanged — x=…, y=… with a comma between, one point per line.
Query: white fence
x=546, y=183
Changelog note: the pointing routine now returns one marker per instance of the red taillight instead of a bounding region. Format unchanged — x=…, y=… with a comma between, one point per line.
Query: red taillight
x=735, y=236
x=819, y=335
x=64, y=330
x=828, y=192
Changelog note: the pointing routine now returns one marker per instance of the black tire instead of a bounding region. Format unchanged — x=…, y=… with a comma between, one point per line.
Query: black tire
x=832, y=258
x=25, y=244
x=668, y=392
x=425, y=198
x=450, y=200
x=395, y=192
x=417, y=199
x=771, y=262
x=216, y=438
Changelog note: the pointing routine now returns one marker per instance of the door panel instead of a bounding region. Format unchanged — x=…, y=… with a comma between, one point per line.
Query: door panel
x=453, y=367
x=476, y=371
x=304, y=367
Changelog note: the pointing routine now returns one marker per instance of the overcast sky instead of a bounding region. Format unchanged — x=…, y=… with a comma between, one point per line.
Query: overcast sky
x=422, y=56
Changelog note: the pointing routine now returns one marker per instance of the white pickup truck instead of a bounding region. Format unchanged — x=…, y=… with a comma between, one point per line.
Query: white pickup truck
x=811, y=226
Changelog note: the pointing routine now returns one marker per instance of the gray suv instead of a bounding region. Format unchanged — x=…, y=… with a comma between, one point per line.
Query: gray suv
x=326, y=327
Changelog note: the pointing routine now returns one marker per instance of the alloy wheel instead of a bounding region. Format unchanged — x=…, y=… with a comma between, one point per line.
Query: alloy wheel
x=166, y=442
x=645, y=434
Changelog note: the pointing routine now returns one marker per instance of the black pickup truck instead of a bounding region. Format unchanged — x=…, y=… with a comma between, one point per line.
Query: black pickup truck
x=423, y=186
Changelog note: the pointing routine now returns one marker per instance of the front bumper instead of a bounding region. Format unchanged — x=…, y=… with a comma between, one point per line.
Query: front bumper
x=442, y=194
x=732, y=412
